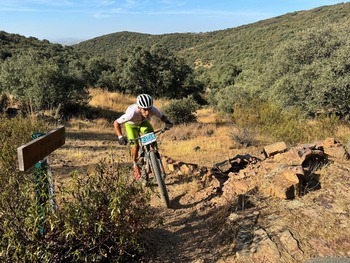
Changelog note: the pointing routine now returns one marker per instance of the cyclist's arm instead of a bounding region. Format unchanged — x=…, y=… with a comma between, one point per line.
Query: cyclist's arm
x=160, y=115
x=164, y=119
x=117, y=128
x=127, y=116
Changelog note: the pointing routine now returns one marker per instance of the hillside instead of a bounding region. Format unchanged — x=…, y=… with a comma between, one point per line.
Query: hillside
x=229, y=202
x=237, y=215
x=245, y=45
x=11, y=44
x=297, y=60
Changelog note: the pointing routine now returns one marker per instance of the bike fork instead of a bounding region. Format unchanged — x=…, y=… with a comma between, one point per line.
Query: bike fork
x=160, y=163
x=161, y=166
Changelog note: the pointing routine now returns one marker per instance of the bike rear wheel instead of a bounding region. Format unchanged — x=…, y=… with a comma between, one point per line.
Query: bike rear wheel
x=157, y=171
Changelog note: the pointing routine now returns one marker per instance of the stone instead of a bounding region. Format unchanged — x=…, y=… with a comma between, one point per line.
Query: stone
x=334, y=149
x=264, y=249
x=185, y=169
x=291, y=245
x=224, y=166
x=321, y=247
x=243, y=186
x=283, y=183
x=275, y=148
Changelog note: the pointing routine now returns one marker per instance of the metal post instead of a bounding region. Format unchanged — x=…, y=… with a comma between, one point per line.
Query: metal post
x=43, y=186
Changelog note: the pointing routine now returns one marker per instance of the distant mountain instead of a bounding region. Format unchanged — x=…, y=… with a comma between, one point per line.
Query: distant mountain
x=67, y=41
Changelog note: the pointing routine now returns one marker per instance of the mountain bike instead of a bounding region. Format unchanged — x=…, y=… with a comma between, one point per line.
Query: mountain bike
x=150, y=162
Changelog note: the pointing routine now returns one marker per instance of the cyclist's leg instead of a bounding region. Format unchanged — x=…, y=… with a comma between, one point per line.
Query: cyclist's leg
x=146, y=127
x=132, y=132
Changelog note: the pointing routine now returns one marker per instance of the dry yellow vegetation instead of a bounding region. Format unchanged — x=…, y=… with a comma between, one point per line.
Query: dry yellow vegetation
x=205, y=143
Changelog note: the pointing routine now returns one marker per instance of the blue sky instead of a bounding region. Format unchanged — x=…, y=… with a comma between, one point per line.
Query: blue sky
x=86, y=19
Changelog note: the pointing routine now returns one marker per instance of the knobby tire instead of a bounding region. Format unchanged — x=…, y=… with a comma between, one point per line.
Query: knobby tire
x=158, y=174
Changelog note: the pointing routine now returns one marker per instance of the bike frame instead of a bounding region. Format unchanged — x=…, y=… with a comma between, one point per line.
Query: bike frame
x=145, y=151
x=151, y=161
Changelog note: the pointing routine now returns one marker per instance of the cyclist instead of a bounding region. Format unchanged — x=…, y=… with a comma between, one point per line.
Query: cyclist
x=136, y=120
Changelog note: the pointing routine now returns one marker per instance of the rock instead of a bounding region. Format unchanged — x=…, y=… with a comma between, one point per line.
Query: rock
x=321, y=246
x=184, y=169
x=283, y=184
x=172, y=167
x=273, y=149
x=243, y=186
x=264, y=249
x=224, y=166
x=291, y=245
x=334, y=149
x=196, y=148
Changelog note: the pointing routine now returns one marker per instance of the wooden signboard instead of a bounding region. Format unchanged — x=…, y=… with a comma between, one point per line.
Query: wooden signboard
x=37, y=149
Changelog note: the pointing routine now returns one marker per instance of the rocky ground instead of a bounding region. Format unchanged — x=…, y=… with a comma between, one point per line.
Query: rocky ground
x=217, y=218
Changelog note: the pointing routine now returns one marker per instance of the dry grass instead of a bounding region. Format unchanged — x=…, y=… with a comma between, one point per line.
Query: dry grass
x=202, y=144
x=206, y=115
x=209, y=115
x=110, y=100
x=98, y=125
x=343, y=134
x=114, y=100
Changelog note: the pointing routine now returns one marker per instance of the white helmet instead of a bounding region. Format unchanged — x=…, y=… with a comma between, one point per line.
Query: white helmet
x=144, y=101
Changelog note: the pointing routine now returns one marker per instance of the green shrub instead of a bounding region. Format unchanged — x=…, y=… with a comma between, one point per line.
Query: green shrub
x=226, y=98
x=99, y=217
x=17, y=206
x=182, y=110
x=102, y=217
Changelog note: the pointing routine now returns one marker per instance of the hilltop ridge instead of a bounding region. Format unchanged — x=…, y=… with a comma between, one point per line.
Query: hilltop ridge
x=237, y=43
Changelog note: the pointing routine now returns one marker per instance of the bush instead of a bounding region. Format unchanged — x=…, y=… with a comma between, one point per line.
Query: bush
x=17, y=206
x=182, y=110
x=243, y=136
x=282, y=124
x=99, y=217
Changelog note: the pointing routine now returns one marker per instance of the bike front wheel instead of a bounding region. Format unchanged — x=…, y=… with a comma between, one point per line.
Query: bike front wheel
x=157, y=171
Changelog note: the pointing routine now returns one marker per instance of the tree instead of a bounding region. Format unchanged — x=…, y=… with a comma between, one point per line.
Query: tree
x=312, y=72
x=181, y=111
x=224, y=75
x=156, y=71
x=41, y=82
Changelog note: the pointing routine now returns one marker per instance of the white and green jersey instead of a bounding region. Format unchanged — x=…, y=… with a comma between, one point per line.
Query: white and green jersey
x=133, y=116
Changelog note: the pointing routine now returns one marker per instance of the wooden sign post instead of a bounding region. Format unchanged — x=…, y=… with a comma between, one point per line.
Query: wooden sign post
x=35, y=154
x=34, y=151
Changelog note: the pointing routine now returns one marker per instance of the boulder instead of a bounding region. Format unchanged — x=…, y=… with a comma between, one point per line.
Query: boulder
x=283, y=184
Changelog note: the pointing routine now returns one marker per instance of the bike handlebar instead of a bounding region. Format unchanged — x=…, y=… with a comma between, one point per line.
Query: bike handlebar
x=155, y=132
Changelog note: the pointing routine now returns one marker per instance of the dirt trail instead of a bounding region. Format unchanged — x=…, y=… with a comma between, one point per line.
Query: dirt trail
x=192, y=228
x=195, y=229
